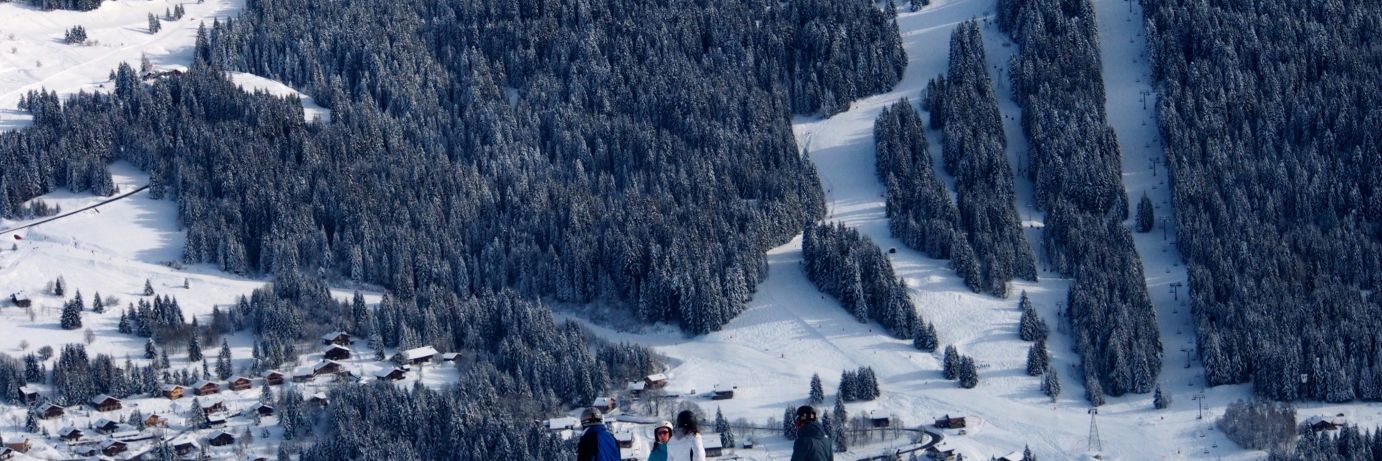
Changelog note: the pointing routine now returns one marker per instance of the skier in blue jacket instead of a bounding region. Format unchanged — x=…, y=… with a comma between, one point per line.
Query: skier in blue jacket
x=596, y=444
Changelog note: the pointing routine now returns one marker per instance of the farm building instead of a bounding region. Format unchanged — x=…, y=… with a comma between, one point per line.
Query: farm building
x=215, y=420
x=20, y=300
x=304, y=374
x=655, y=381
x=264, y=410
x=605, y=404
x=713, y=446
x=205, y=388
x=213, y=406
x=1319, y=423
x=21, y=446
x=105, y=403
x=950, y=423
x=340, y=338
x=319, y=399
x=70, y=434
x=185, y=447
x=155, y=421
x=327, y=367
x=415, y=356
x=336, y=352
x=105, y=426
x=880, y=422
x=722, y=394
x=450, y=356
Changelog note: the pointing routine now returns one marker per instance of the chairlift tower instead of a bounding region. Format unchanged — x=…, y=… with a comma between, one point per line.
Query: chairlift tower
x=1095, y=445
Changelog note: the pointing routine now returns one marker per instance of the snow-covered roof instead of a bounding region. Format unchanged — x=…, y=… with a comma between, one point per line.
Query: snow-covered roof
x=332, y=347
x=333, y=335
x=602, y=402
x=712, y=441
x=657, y=377
x=419, y=352
x=101, y=398
x=185, y=440
x=204, y=383
x=1335, y=420
x=624, y=436
x=27, y=389
x=109, y=443
x=104, y=422
x=450, y=355
x=218, y=434
x=208, y=403
x=68, y=430
x=637, y=385
x=319, y=396
x=47, y=405
x=326, y=363
x=1014, y=456
x=169, y=387
x=238, y=378
x=565, y=422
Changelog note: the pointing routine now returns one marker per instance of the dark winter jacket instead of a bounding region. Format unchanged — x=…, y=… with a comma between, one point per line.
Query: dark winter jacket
x=812, y=444
x=597, y=444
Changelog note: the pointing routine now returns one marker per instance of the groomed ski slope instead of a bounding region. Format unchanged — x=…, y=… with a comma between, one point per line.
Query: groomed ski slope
x=791, y=331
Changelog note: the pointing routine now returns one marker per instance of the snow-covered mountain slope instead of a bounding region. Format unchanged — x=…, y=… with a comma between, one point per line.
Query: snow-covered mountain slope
x=791, y=331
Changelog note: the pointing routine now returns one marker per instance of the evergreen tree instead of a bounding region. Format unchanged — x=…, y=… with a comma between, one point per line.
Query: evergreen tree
x=71, y=316
x=154, y=24
x=1050, y=384
x=950, y=364
x=194, y=349
x=839, y=431
x=1027, y=454
x=722, y=426
x=148, y=288
x=1038, y=359
x=968, y=374
x=1030, y=327
x=97, y=305
x=59, y=287
x=1160, y=400
x=789, y=426
x=817, y=394
x=223, y=361
x=925, y=338
x=31, y=422
x=150, y=350
x=1145, y=218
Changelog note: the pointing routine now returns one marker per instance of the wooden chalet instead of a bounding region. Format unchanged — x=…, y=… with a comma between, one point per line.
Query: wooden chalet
x=172, y=391
x=21, y=446
x=950, y=423
x=605, y=404
x=304, y=375
x=880, y=422
x=220, y=439
x=724, y=394
x=336, y=352
x=655, y=381
x=186, y=447
x=319, y=399
x=1325, y=423
x=396, y=374
x=105, y=403
x=29, y=394
x=416, y=356
x=155, y=421
x=105, y=426
x=213, y=406
x=50, y=410
x=113, y=447
x=327, y=367
x=1014, y=456
x=70, y=434
x=239, y=383
x=264, y=410
x=206, y=388
x=20, y=300
x=340, y=338
x=215, y=420
x=939, y=454
x=274, y=378
x=450, y=356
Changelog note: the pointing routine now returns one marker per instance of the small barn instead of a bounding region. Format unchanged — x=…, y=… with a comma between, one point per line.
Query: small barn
x=240, y=383
x=655, y=381
x=215, y=420
x=213, y=406
x=50, y=410
x=713, y=446
x=21, y=446
x=950, y=423
x=724, y=394
x=155, y=421
x=105, y=426
x=220, y=439
x=636, y=387
x=416, y=356
x=274, y=378
x=304, y=375
x=395, y=374
x=70, y=434
x=450, y=356
x=206, y=388
x=172, y=391
x=336, y=352
x=105, y=403
x=113, y=447
x=29, y=394
x=880, y=423
x=264, y=410
x=1319, y=423
x=1014, y=456
x=319, y=399
x=20, y=300
x=340, y=338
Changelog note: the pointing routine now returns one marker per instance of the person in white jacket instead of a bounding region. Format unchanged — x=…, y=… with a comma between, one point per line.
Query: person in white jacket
x=686, y=442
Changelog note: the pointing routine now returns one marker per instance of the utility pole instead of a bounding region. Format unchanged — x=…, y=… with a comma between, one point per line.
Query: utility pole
x=1174, y=294
x=1199, y=398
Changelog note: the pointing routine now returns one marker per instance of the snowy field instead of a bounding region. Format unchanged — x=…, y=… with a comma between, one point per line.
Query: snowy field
x=114, y=248
x=33, y=55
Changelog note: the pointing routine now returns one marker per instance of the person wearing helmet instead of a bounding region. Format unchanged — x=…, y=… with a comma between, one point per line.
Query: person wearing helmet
x=596, y=444
x=661, y=435
x=812, y=444
x=686, y=444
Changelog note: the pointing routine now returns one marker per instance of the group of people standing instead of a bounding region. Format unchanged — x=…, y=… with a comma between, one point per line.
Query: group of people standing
x=682, y=442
